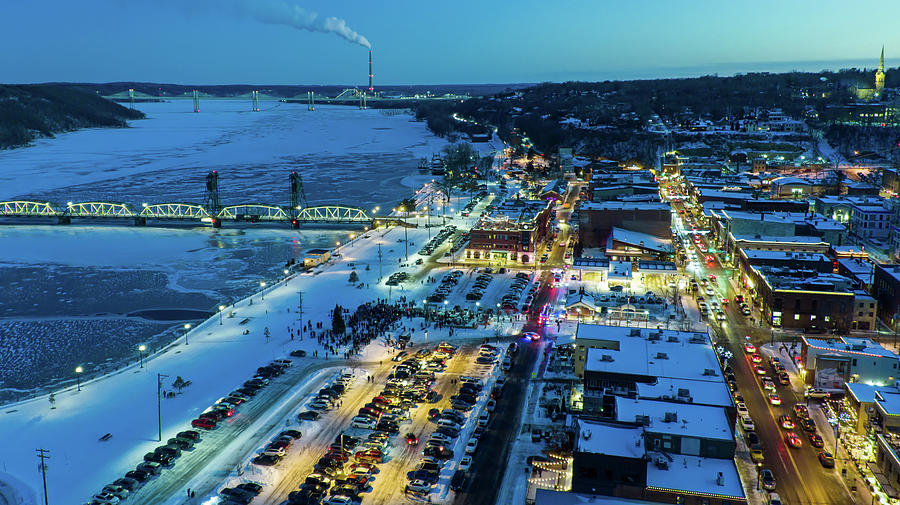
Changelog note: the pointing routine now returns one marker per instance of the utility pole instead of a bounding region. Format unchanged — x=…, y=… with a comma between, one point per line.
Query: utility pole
x=44, y=455
x=300, y=310
x=379, y=262
x=159, y=378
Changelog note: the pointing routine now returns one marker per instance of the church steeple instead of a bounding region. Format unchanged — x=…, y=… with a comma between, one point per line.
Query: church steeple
x=879, y=74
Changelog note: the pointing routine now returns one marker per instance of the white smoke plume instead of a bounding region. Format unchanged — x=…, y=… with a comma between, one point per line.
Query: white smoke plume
x=284, y=12
x=277, y=12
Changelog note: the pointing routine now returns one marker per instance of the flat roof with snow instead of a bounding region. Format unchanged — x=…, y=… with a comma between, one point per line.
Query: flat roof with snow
x=889, y=403
x=700, y=421
x=602, y=438
x=643, y=240
x=616, y=205
x=693, y=474
x=850, y=345
x=699, y=392
x=763, y=254
x=687, y=356
x=796, y=239
x=865, y=393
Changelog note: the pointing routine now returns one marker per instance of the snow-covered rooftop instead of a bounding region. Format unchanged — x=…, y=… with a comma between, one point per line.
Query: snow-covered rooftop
x=796, y=239
x=850, y=345
x=689, y=420
x=675, y=354
x=602, y=438
x=617, y=205
x=638, y=239
x=762, y=254
x=698, y=391
x=697, y=475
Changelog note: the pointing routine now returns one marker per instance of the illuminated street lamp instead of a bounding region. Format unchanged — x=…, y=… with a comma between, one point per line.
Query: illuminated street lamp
x=187, y=328
x=221, y=308
x=78, y=371
x=352, y=236
x=141, y=349
x=262, y=285
x=405, y=233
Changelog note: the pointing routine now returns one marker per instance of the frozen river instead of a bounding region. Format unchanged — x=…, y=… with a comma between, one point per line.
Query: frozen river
x=70, y=293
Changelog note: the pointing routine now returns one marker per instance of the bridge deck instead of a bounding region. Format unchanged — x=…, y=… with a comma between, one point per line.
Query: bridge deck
x=253, y=212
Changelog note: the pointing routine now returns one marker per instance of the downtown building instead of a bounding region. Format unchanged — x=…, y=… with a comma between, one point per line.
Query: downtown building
x=510, y=233
x=655, y=420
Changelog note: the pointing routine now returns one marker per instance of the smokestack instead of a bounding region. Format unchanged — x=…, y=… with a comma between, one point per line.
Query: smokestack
x=371, y=87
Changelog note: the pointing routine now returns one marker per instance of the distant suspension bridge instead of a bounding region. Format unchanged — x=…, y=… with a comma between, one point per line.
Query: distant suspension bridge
x=210, y=212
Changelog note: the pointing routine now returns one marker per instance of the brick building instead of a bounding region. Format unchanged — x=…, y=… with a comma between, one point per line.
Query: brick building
x=510, y=233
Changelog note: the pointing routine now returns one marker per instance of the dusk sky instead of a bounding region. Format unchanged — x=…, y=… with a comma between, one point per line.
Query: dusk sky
x=426, y=42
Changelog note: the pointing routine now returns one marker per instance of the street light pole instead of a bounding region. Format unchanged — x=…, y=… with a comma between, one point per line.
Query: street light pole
x=221, y=308
x=78, y=371
x=262, y=284
x=187, y=327
x=159, y=378
x=141, y=350
x=406, y=234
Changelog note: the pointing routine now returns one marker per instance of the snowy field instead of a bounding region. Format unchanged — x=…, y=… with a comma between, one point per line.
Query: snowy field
x=65, y=276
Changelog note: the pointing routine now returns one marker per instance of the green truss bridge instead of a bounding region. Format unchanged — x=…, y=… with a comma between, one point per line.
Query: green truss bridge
x=210, y=212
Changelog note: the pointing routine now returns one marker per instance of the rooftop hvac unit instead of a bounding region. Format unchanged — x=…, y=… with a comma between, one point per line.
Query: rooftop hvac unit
x=635, y=332
x=662, y=355
x=671, y=417
x=606, y=357
x=673, y=339
x=709, y=372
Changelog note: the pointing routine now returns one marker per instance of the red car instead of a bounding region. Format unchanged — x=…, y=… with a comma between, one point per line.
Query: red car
x=793, y=440
x=371, y=455
x=815, y=440
x=337, y=457
x=204, y=423
x=412, y=439
x=212, y=415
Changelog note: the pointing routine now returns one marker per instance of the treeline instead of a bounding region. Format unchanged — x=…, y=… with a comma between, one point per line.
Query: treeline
x=40, y=110
x=621, y=108
x=849, y=140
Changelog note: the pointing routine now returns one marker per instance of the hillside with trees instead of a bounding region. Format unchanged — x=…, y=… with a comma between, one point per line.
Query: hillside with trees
x=41, y=110
x=611, y=115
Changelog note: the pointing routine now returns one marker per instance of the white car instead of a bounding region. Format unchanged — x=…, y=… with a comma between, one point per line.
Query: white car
x=363, y=424
x=338, y=500
x=471, y=446
x=319, y=405
x=465, y=463
x=419, y=486
x=109, y=498
x=448, y=422
x=742, y=409
x=709, y=291
x=278, y=452
x=440, y=437
x=483, y=419
x=747, y=423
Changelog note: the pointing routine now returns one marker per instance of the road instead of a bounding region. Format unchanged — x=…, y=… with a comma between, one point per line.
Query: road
x=800, y=478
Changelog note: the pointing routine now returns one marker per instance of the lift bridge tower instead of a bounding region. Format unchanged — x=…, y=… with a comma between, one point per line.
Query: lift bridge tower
x=212, y=198
x=298, y=198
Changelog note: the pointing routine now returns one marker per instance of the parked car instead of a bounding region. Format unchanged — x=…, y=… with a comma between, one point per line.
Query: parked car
x=204, y=423
x=768, y=479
